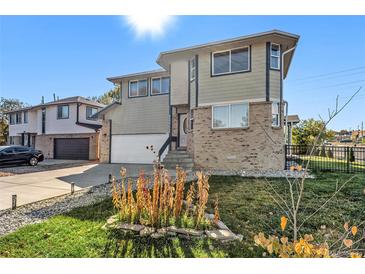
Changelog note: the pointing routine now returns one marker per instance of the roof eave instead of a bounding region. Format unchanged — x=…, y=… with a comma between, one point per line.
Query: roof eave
x=106, y=109
x=251, y=36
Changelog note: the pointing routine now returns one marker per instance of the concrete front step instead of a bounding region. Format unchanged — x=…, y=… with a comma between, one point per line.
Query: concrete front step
x=174, y=158
x=178, y=157
x=171, y=157
x=173, y=167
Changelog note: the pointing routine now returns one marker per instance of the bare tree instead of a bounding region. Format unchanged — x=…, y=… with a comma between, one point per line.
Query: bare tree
x=291, y=206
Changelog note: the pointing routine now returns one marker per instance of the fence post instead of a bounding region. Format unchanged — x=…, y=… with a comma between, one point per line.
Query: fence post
x=13, y=201
x=285, y=156
x=348, y=159
x=72, y=188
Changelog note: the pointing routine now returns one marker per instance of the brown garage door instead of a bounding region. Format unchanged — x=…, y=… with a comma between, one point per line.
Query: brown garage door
x=73, y=149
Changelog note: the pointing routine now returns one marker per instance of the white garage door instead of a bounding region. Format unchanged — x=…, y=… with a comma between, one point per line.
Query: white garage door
x=132, y=148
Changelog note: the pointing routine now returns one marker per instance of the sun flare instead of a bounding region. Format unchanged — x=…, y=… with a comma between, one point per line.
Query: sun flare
x=154, y=25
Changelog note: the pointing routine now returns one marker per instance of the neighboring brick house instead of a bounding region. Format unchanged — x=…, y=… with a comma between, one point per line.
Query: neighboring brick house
x=217, y=105
x=61, y=129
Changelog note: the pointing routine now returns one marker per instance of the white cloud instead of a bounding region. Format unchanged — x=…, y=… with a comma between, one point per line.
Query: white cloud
x=154, y=25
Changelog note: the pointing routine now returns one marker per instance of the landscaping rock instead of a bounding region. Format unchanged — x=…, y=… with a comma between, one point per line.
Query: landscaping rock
x=112, y=219
x=219, y=224
x=221, y=234
x=147, y=231
x=157, y=235
x=185, y=231
x=163, y=230
x=130, y=227
x=183, y=236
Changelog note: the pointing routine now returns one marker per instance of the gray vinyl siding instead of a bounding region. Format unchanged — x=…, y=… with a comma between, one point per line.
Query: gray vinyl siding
x=140, y=115
x=179, y=82
x=240, y=86
x=274, y=85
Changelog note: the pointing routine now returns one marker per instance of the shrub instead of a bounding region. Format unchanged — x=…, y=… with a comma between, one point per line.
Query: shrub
x=163, y=203
x=305, y=247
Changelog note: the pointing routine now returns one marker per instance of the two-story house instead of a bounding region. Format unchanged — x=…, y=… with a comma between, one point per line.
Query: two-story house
x=216, y=105
x=61, y=129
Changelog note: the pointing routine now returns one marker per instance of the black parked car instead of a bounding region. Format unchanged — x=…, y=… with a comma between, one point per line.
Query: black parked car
x=20, y=155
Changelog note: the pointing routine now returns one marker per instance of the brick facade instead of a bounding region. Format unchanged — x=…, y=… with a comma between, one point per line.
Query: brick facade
x=105, y=142
x=45, y=143
x=258, y=147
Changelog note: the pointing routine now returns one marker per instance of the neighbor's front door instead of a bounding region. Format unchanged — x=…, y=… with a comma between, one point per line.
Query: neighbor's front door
x=183, y=130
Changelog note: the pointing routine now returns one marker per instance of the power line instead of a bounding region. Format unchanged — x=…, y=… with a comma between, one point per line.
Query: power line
x=331, y=73
x=344, y=84
x=308, y=81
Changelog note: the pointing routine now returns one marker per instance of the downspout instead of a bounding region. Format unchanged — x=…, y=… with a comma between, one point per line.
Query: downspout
x=282, y=81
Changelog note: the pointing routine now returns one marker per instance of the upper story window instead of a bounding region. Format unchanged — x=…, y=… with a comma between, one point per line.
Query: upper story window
x=25, y=117
x=90, y=111
x=230, y=116
x=192, y=67
x=12, y=118
x=18, y=117
x=63, y=112
x=138, y=88
x=275, y=56
x=160, y=85
x=231, y=61
x=275, y=114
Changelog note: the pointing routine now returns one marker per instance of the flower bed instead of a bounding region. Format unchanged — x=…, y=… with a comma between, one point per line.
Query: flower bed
x=218, y=232
x=163, y=208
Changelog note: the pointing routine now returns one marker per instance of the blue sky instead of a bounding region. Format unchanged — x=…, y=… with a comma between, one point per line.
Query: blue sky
x=72, y=55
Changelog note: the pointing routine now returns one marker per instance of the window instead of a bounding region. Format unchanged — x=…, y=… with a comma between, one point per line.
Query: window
x=20, y=149
x=230, y=116
x=43, y=120
x=9, y=150
x=138, y=88
x=90, y=111
x=62, y=112
x=12, y=118
x=18, y=117
x=275, y=56
x=231, y=61
x=25, y=117
x=160, y=85
x=275, y=114
x=192, y=67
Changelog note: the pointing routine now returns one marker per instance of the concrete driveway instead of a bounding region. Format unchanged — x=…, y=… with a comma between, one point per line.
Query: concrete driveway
x=37, y=186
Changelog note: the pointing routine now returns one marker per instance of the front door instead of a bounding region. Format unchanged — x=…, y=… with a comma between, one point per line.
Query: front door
x=183, y=130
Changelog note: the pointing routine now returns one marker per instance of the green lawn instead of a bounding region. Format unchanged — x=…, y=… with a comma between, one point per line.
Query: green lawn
x=326, y=163
x=245, y=206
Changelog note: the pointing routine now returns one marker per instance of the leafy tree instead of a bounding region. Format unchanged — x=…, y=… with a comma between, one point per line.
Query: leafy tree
x=306, y=132
x=108, y=97
x=7, y=104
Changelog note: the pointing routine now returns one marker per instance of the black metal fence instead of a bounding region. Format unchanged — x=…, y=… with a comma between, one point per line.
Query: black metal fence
x=326, y=158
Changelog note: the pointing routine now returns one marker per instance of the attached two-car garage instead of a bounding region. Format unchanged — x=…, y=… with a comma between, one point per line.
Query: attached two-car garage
x=71, y=148
x=133, y=148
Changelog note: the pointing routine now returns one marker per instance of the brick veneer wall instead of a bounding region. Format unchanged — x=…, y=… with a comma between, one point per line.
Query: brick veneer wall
x=105, y=142
x=258, y=147
x=45, y=143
